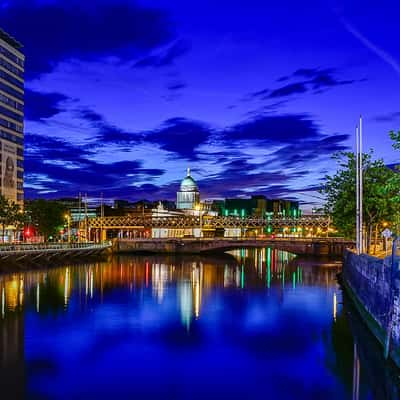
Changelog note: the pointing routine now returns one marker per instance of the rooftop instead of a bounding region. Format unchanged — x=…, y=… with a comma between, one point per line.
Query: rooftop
x=10, y=40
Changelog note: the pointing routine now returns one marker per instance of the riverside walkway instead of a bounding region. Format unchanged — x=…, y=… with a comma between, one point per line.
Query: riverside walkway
x=50, y=251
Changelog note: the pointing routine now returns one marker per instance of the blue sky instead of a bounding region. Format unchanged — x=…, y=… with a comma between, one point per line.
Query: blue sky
x=254, y=96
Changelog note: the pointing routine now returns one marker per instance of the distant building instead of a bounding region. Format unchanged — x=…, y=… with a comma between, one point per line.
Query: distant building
x=188, y=197
x=78, y=209
x=259, y=206
x=11, y=118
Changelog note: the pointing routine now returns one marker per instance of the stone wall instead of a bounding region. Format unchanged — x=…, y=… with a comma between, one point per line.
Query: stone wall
x=369, y=279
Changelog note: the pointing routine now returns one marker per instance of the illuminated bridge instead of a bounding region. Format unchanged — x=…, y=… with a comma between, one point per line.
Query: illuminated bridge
x=134, y=222
x=131, y=227
x=299, y=246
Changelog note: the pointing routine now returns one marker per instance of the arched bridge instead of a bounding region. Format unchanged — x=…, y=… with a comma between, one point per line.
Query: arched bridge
x=300, y=246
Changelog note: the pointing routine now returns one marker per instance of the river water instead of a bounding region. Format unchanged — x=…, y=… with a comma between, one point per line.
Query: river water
x=254, y=323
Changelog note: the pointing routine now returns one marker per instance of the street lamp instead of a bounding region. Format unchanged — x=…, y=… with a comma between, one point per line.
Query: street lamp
x=68, y=218
x=198, y=208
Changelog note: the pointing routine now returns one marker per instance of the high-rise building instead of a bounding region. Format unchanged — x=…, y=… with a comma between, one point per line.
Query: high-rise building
x=11, y=118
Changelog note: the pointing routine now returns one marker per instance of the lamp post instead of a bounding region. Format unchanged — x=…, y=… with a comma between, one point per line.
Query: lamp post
x=68, y=218
x=198, y=208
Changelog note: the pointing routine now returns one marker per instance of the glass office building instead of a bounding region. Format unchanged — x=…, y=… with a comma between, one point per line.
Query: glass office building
x=11, y=118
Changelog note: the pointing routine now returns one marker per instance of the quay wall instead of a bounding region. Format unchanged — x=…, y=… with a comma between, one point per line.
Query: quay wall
x=375, y=291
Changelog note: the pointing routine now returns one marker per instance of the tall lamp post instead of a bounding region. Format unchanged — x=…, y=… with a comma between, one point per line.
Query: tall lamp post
x=198, y=208
x=68, y=218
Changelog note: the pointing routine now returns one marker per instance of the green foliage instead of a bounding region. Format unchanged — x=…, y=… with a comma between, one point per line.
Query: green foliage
x=394, y=182
x=395, y=136
x=47, y=216
x=10, y=214
x=379, y=203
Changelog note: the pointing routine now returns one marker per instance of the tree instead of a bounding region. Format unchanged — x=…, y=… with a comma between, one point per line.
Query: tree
x=47, y=216
x=379, y=204
x=395, y=136
x=394, y=182
x=10, y=214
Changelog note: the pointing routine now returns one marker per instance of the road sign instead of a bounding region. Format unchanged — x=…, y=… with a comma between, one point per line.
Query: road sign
x=387, y=233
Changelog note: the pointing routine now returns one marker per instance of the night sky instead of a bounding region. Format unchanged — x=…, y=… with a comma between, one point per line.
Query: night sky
x=122, y=96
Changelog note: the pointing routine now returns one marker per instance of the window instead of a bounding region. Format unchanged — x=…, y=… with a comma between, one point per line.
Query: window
x=11, y=114
x=13, y=92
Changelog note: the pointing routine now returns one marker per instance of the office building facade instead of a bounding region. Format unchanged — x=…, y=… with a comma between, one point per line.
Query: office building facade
x=11, y=118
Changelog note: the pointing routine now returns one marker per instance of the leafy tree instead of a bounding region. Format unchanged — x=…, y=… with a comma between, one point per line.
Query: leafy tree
x=46, y=215
x=379, y=204
x=394, y=182
x=10, y=214
x=395, y=136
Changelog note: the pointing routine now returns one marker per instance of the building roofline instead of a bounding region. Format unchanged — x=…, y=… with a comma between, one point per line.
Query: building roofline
x=10, y=40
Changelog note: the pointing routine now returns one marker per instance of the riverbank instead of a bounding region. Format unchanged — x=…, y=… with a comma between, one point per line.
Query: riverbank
x=374, y=291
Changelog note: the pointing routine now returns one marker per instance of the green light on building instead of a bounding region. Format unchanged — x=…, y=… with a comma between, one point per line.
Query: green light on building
x=243, y=213
x=268, y=267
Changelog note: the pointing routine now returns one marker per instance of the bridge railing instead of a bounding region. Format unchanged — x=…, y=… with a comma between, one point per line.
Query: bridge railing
x=52, y=246
x=188, y=221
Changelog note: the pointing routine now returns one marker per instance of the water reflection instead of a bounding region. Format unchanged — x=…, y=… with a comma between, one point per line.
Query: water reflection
x=255, y=322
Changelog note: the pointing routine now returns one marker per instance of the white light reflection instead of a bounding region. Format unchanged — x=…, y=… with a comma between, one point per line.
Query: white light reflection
x=38, y=297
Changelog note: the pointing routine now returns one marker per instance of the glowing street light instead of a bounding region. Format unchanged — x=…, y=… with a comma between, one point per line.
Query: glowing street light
x=68, y=218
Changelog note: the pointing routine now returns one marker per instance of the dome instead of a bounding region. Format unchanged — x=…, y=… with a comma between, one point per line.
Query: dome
x=188, y=184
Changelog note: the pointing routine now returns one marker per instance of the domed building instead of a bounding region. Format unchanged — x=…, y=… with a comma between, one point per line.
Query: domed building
x=188, y=196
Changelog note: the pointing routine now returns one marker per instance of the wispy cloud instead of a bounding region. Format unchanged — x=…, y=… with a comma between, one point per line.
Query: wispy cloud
x=382, y=54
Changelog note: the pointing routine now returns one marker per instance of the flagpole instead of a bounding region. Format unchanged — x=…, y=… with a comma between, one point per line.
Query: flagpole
x=361, y=190
x=357, y=195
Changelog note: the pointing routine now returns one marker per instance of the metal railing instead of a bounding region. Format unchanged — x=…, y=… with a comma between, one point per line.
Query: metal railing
x=12, y=248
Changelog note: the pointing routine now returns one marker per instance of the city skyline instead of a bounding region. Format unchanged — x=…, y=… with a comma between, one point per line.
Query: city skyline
x=251, y=108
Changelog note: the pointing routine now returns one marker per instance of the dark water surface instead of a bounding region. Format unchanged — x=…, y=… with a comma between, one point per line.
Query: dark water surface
x=256, y=324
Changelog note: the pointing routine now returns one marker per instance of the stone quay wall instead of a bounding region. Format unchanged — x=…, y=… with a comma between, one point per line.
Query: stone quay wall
x=375, y=291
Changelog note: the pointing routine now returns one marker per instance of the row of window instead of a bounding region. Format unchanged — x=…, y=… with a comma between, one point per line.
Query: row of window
x=11, y=56
x=14, y=104
x=9, y=78
x=11, y=125
x=10, y=90
x=11, y=114
x=14, y=139
x=11, y=68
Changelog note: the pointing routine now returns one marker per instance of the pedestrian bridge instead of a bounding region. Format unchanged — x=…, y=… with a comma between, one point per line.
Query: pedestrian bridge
x=50, y=251
x=299, y=246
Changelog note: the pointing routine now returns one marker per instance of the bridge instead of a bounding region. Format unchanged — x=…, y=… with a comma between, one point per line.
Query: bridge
x=97, y=229
x=299, y=246
x=50, y=251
